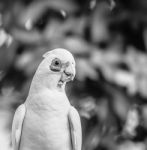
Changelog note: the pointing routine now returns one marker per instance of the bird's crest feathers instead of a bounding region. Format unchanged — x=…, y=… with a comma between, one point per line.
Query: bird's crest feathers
x=59, y=52
x=46, y=54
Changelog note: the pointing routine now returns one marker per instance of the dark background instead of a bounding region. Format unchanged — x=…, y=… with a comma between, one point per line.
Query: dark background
x=109, y=41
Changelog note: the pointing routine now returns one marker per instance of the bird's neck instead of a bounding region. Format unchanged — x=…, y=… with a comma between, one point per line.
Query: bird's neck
x=42, y=98
x=50, y=82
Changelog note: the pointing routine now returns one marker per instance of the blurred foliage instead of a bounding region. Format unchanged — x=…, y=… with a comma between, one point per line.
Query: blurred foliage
x=109, y=41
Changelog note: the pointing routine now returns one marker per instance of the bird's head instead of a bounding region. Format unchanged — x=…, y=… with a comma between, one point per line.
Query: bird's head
x=57, y=68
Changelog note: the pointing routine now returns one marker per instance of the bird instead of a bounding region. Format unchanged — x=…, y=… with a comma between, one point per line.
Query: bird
x=47, y=120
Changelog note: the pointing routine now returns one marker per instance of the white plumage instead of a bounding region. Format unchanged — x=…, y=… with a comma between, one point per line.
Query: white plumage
x=47, y=121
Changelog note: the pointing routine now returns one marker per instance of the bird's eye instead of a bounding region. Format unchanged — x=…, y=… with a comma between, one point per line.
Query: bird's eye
x=56, y=65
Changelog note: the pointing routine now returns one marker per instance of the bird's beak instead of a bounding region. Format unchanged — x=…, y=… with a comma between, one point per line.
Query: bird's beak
x=70, y=73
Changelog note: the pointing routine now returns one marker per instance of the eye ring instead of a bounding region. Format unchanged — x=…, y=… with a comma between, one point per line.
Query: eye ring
x=56, y=65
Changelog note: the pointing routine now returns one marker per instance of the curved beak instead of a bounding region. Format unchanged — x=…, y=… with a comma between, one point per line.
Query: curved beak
x=68, y=74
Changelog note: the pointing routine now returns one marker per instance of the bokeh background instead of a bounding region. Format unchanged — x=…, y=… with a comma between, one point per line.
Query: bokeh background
x=109, y=41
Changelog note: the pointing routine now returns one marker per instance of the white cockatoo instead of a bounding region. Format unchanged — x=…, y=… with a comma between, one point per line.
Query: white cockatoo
x=47, y=121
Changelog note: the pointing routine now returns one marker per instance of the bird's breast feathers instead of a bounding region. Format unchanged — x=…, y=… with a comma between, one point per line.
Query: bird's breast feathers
x=49, y=130
x=46, y=122
x=48, y=100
